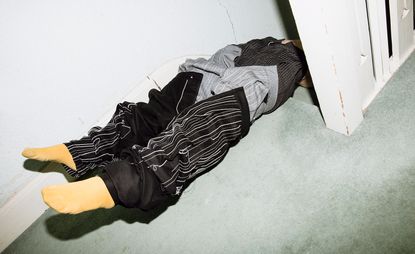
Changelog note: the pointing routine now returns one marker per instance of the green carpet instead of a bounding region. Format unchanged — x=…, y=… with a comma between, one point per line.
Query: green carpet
x=291, y=186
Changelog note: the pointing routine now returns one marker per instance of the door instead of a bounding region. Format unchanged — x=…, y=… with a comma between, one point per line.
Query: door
x=337, y=46
x=402, y=35
x=352, y=48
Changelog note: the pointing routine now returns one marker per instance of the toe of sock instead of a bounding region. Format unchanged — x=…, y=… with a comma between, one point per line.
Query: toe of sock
x=28, y=153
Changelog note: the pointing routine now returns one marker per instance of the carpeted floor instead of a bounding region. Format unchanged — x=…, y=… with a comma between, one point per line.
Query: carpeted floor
x=291, y=186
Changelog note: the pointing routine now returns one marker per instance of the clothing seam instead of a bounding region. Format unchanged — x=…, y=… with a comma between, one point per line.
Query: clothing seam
x=181, y=96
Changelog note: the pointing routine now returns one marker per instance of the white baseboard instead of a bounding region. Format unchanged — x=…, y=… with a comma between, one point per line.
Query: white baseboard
x=27, y=205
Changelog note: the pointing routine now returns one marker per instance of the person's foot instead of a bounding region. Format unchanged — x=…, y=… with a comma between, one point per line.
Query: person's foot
x=58, y=153
x=77, y=197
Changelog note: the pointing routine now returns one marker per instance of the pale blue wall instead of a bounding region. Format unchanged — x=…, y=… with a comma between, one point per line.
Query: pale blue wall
x=65, y=63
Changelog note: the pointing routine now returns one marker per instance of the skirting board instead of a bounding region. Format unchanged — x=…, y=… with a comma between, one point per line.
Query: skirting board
x=27, y=205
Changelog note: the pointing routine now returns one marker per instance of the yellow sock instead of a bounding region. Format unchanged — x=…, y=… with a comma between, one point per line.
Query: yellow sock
x=79, y=196
x=58, y=153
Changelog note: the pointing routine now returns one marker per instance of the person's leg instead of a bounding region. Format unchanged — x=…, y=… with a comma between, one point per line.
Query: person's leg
x=306, y=81
x=195, y=141
x=78, y=196
x=132, y=123
x=121, y=183
x=99, y=146
x=102, y=145
x=286, y=55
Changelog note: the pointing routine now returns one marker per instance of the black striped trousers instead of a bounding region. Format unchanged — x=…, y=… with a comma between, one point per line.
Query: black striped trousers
x=193, y=142
x=133, y=123
x=290, y=61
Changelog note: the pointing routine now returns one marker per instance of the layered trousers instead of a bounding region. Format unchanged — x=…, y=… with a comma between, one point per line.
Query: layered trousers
x=148, y=159
x=133, y=124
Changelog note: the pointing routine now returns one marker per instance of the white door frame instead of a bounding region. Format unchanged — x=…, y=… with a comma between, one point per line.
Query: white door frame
x=335, y=41
x=332, y=49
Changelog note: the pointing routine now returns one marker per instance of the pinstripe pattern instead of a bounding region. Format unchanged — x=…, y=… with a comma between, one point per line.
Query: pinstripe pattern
x=196, y=140
x=217, y=63
x=290, y=62
x=97, y=148
x=220, y=75
x=254, y=70
x=133, y=123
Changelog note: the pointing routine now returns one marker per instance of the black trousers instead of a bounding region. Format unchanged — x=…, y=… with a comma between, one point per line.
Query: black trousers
x=134, y=123
x=195, y=141
x=290, y=61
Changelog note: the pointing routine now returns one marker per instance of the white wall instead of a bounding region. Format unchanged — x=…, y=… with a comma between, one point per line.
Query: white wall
x=63, y=64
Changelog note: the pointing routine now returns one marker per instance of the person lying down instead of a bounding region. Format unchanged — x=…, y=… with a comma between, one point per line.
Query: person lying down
x=149, y=151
